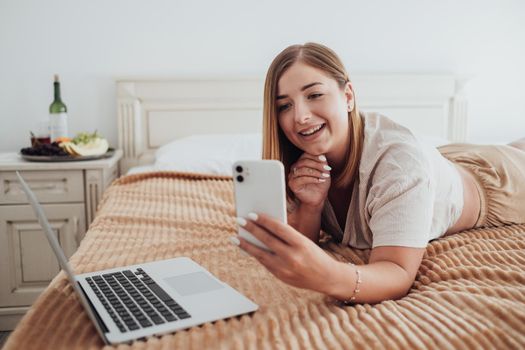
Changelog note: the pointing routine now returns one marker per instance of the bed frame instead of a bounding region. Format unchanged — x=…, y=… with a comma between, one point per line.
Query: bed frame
x=152, y=112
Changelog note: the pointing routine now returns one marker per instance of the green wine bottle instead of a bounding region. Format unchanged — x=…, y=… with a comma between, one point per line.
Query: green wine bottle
x=57, y=114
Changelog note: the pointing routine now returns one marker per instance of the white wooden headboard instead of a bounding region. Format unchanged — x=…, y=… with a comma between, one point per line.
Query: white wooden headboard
x=152, y=112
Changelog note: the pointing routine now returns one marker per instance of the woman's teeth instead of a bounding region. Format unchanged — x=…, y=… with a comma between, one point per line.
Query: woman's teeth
x=312, y=130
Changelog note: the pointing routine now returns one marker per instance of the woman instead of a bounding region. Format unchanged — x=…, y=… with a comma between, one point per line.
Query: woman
x=368, y=182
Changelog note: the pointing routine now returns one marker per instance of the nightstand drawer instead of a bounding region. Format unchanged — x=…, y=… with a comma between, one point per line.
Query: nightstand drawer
x=27, y=260
x=49, y=186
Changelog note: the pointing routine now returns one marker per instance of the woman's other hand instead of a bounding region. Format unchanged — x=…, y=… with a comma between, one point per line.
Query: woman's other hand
x=309, y=180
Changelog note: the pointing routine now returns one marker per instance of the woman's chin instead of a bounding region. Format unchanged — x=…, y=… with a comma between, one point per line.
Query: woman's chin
x=316, y=150
x=316, y=147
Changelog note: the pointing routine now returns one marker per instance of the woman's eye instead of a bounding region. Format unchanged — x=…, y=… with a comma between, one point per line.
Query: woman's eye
x=283, y=108
x=314, y=96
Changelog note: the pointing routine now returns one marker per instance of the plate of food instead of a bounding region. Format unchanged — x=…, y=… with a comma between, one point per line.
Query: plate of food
x=84, y=146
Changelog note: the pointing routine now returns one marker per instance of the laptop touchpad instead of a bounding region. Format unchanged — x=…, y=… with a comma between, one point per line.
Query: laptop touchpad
x=193, y=283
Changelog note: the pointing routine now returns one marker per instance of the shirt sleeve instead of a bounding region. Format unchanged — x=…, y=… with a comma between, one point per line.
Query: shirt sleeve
x=400, y=200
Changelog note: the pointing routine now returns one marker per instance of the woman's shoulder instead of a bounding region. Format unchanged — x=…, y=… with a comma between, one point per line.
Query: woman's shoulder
x=377, y=125
x=389, y=145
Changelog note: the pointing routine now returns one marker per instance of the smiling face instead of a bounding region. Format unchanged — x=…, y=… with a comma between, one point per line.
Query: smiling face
x=312, y=110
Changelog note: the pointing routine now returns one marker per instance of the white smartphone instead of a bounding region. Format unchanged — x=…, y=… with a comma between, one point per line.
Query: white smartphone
x=259, y=188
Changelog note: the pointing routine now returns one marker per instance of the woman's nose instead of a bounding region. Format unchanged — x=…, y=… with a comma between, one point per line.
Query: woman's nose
x=302, y=113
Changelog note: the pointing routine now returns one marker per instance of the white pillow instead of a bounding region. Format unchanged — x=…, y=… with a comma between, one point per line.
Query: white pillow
x=216, y=153
x=210, y=153
x=141, y=169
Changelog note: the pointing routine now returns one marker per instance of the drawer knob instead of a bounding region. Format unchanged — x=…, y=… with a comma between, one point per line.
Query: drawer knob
x=43, y=187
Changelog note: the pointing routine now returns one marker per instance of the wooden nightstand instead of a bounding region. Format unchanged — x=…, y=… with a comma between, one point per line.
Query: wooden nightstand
x=69, y=193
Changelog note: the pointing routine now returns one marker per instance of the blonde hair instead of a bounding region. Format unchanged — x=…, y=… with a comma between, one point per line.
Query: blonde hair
x=275, y=143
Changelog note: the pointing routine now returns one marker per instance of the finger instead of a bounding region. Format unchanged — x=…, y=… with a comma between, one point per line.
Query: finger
x=310, y=172
x=273, y=242
x=263, y=256
x=321, y=157
x=284, y=232
x=312, y=163
x=308, y=167
x=309, y=160
x=300, y=183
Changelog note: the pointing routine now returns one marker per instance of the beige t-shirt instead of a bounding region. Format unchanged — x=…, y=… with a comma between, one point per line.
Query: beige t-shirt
x=406, y=194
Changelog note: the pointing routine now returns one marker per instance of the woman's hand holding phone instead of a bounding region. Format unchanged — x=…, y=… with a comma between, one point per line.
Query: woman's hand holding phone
x=309, y=179
x=289, y=252
x=290, y=256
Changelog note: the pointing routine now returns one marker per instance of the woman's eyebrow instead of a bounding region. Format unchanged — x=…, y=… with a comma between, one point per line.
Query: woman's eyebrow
x=280, y=97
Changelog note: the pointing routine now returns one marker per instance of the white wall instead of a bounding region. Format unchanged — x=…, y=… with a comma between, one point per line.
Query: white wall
x=90, y=43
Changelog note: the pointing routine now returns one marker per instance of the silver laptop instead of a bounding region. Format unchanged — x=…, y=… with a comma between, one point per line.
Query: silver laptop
x=137, y=301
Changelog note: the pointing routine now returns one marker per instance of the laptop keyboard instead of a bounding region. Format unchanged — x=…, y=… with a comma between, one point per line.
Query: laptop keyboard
x=134, y=302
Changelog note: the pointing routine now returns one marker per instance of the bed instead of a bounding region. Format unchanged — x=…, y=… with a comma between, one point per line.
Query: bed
x=469, y=291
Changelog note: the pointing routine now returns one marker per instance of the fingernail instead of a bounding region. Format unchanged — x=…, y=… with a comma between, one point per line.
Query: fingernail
x=241, y=221
x=327, y=167
x=322, y=180
x=243, y=252
x=234, y=240
x=326, y=175
x=253, y=216
x=323, y=158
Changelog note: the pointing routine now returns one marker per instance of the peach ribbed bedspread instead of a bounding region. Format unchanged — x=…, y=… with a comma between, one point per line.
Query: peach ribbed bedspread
x=469, y=292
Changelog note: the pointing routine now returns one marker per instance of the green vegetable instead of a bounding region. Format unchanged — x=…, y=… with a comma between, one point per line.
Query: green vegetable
x=85, y=137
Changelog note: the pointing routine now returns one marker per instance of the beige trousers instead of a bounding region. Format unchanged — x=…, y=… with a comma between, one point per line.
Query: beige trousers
x=499, y=171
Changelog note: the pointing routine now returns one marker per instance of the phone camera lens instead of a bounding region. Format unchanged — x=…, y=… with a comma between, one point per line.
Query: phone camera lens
x=238, y=168
x=240, y=178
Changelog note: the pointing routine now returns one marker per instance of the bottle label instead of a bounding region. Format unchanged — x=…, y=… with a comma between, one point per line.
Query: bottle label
x=58, y=125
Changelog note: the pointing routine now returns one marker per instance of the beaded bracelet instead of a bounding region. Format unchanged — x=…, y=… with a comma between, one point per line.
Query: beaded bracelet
x=356, y=289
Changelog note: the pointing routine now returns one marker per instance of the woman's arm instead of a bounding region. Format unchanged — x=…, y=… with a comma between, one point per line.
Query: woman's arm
x=389, y=275
x=307, y=220
x=298, y=261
